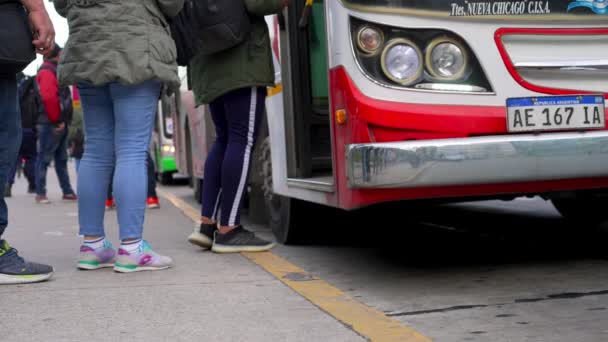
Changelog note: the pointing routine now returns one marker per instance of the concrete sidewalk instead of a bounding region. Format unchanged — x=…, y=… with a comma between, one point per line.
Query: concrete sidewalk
x=205, y=297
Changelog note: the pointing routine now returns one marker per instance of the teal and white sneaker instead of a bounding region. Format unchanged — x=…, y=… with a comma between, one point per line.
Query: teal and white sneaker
x=93, y=259
x=144, y=260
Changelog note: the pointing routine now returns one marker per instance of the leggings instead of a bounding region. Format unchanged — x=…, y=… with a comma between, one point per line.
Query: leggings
x=237, y=116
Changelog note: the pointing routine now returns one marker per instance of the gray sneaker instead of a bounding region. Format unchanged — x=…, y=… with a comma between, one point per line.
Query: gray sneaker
x=15, y=270
x=239, y=240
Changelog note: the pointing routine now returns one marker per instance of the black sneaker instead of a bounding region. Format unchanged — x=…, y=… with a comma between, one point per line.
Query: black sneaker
x=239, y=240
x=31, y=189
x=203, y=235
x=15, y=270
x=8, y=190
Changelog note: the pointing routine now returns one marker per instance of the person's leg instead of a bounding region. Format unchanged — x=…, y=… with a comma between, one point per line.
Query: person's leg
x=10, y=139
x=211, y=195
x=134, y=108
x=46, y=149
x=13, y=268
x=213, y=164
x=244, y=111
x=98, y=159
x=61, y=165
x=151, y=177
x=28, y=152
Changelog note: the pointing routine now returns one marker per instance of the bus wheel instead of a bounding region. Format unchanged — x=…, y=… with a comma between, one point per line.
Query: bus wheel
x=165, y=178
x=588, y=209
x=283, y=212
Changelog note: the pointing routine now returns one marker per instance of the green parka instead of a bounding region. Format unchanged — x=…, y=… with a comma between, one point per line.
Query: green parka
x=245, y=65
x=118, y=41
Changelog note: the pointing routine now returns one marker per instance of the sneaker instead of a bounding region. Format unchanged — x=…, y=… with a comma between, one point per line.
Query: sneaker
x=42, y=199
x=31, y=189
x=145, y=260
x=239, y=240
x=8, y=190
x=92, y=259
x=152, y=203
x=15, y=270
x=110, y=204
x=202, y=235
x=70, y=197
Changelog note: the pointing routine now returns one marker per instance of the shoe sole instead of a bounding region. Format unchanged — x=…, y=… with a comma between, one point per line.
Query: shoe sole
x=8, y=279
x=90, y=267
x=121, y=269
x=223, y=249
x=200, y=240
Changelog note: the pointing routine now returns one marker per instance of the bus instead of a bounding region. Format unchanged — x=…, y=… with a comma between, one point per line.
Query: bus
x=162, y=149
x=382, y=101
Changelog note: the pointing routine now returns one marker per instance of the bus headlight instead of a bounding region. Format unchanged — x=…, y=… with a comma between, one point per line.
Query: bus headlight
x=402, y=61
x=167, y=149
x=370, y=39
x=446, y=59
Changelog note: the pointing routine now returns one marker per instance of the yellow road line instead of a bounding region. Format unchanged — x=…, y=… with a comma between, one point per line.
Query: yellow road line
x=366, y=321
x=186, y=208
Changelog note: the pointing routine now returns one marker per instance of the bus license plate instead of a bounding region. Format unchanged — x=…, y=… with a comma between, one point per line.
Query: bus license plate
x=553, y=113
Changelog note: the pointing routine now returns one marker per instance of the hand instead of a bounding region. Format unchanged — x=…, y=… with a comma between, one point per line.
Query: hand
x=60, y=127
x=44, y=33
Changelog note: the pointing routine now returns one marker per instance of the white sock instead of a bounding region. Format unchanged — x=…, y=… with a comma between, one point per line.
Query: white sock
x=131, y=246
x=96, y=243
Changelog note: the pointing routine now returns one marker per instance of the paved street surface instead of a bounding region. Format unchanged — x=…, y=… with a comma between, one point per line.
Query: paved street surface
x=206, y=297
x=486, y=271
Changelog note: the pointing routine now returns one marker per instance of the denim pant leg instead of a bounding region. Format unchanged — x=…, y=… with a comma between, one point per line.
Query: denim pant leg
x=134, y=111
x=10, y=138
x=47, y=144
x=98, y=160
x=28, y=152
x=61, y=163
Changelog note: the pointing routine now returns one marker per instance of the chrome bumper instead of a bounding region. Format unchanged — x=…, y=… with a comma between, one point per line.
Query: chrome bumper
x=479, y=160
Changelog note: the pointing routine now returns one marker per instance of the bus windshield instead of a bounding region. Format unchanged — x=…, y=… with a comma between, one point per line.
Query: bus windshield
x=488, y=8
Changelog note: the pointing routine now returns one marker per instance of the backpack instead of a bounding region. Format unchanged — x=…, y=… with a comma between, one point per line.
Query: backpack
x=209, y=26
x=65, y=97
x=29, y=101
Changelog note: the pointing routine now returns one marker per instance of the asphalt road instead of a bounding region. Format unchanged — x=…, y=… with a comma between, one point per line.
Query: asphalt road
x=483, y=271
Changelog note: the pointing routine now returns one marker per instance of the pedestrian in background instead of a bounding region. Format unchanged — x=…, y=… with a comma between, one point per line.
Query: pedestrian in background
x=76, y=137
x=152, y=199
x=17, y=33
x=119, y=63
x=233, y=82
x=31, y=109
x=53, y=129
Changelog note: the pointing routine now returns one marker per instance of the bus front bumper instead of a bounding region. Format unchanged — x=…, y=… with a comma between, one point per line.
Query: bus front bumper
x=478, y=160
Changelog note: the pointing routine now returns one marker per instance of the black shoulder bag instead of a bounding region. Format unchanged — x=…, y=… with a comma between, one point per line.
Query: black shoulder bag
x=16, y=49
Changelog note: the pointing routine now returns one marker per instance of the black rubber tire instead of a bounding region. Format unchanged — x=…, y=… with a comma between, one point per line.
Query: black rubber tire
x=586, y=210
x=198, y=189
x=165, y=178
x=284, y=214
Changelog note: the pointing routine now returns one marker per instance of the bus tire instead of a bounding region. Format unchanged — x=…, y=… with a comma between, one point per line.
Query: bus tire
x=165, y=178
x=283, y=212
x=586, y=210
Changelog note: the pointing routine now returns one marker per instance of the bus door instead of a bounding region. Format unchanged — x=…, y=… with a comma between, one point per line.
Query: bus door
x=306, y=97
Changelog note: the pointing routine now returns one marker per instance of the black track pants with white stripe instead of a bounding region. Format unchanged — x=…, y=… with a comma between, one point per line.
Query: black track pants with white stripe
x=237, y=116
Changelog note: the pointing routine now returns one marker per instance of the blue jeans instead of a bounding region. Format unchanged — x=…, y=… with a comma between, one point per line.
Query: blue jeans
x=118, y=123
x=27, y=151
x=10, y=138
x=52, y=145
